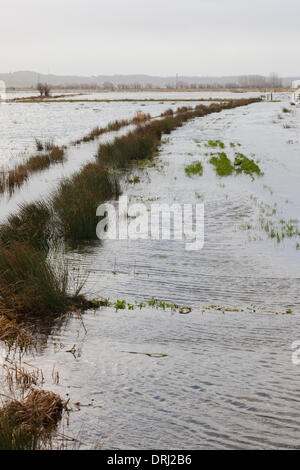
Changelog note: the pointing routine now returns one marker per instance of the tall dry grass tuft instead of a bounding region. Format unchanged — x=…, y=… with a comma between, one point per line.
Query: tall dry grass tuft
x=14, y=334
x=30, y=225
x=29, y=424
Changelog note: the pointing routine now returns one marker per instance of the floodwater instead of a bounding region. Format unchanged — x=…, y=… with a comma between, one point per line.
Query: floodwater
x=161, y=95
x=22, y=123
x=225, y=379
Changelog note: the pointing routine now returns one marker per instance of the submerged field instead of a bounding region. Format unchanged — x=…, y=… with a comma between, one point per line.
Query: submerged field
x=218, y=375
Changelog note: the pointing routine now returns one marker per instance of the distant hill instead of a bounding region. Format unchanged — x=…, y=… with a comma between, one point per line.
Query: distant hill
x=28, y=79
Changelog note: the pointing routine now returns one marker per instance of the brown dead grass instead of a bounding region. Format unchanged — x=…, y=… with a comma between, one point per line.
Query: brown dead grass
x=29, y=424
x=13, y=333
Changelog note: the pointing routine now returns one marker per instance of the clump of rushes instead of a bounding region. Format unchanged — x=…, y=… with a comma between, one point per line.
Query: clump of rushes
x=246, y=165
x=194, y=169
x=140, y=118
x=137, y=145
x=78, y=197
x=168, y=112
x=183, y=109
x=222, y=164
x=48, y=145
x=29, y=285
x=39, y=145
x=30, y=225
x=29, y=424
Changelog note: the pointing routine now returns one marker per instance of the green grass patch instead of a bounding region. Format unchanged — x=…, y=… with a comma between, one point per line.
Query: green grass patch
x=246, y=165
x=222, y=164
x=194, y=169
x=215, y=144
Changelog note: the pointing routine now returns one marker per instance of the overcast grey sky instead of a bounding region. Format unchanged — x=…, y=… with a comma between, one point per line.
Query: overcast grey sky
x=158, y=37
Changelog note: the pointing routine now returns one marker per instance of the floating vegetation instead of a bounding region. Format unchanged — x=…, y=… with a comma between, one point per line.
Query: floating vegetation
x=242, y=164
x=220, y=308
x=246, y=165
x=147, y=354
x=134, y=180
x=288, y=311
x=222, y=164
x=153, y=303
x=215, y=144
x=120, y=305
x=194, y=169
x=274, y=226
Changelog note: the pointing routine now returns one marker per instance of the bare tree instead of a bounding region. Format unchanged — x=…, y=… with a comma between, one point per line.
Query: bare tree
x=44, y=89
x=40, y=88
x=47, y=89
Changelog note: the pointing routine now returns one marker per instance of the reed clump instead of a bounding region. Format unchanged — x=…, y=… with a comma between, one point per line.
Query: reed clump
x=47, y=146
x=30, y=225
x=30, y=423
x=29, y=284
x=140, y=118
x=168, y=112
x=78, y=197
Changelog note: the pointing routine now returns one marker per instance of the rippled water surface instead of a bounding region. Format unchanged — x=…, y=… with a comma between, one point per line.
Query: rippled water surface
x=225, y=378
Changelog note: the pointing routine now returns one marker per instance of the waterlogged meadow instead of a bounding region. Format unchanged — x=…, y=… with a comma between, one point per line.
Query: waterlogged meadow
x=189, y=340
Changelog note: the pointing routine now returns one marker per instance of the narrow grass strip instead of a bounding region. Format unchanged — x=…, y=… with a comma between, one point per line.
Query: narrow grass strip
x=15, y=178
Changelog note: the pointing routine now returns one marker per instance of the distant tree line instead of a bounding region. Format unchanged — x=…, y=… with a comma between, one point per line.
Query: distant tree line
x=243, y=82
x=258, y=81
